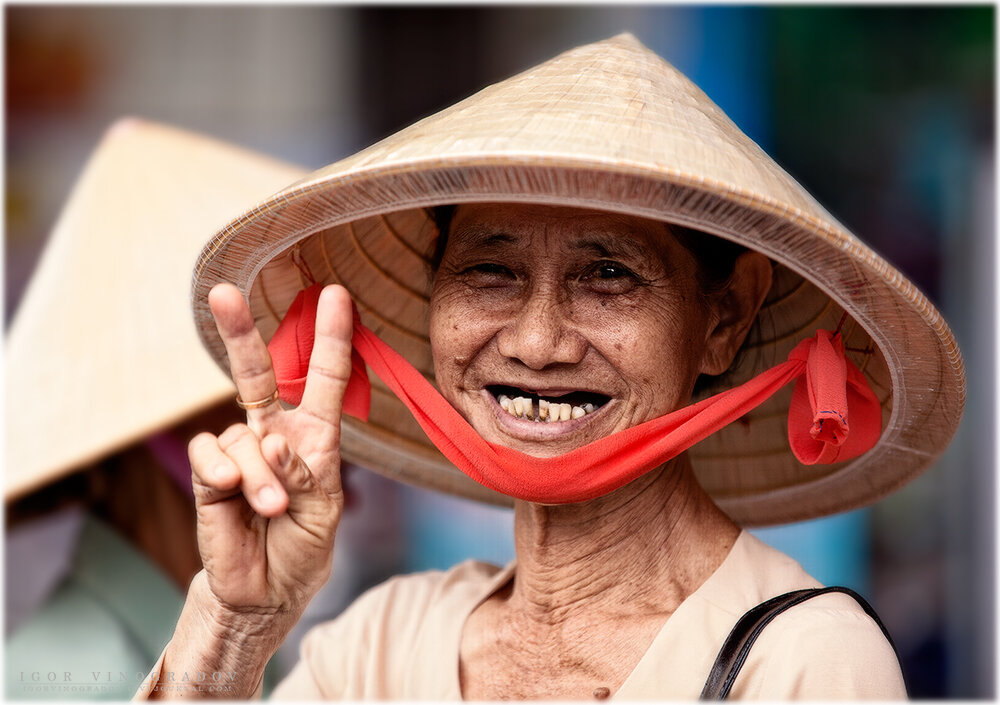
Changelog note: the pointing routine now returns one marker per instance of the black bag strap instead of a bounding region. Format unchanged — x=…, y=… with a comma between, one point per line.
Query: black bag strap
x=737, y=645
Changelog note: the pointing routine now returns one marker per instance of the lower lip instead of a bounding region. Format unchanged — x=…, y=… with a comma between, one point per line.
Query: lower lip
x=539, y=430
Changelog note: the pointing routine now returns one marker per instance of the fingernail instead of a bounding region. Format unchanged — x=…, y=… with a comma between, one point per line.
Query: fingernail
x=267, y=496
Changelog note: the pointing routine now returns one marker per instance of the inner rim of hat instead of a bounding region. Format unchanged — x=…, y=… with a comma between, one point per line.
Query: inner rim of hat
x=466, y=184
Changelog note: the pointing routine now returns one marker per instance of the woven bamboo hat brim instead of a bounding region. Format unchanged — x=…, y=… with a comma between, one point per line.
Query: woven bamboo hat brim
x=102, y=350
x=608, y=126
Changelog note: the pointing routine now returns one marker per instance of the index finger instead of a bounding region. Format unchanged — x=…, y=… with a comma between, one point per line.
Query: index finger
x=330, y=361
x=249, y=360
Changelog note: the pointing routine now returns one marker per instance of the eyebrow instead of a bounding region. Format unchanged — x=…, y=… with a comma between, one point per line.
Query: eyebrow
x=612, y=247
x=603, y=245
x=477, y=236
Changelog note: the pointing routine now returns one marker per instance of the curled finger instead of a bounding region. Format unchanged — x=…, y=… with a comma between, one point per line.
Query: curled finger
x=214, y=476
x=261, y=488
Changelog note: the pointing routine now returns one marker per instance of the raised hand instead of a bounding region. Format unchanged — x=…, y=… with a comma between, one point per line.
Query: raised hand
x=269, y=500
x=268, y=493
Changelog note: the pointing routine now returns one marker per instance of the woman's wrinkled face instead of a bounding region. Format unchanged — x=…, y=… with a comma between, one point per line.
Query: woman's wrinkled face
x=592, y=320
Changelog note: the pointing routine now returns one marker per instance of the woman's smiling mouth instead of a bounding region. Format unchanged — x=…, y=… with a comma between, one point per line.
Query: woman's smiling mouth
x=547, y=406
x=537, y=414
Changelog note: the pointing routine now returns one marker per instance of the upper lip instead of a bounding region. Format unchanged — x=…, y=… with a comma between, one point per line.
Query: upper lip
x=548, y=389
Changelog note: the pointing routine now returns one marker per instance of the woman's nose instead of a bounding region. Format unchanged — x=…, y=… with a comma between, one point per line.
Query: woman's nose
x=541, y=333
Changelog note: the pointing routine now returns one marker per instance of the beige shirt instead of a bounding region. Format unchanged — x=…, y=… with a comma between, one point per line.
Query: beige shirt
x=401, y=639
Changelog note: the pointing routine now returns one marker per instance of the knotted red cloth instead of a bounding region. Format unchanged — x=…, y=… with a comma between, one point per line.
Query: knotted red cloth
x=829, y=391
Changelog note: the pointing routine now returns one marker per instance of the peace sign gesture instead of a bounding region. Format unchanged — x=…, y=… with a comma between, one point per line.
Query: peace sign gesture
x=268, y=492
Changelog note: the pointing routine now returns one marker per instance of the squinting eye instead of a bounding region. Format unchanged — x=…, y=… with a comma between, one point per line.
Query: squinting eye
x=489, y=268
x=489, y=274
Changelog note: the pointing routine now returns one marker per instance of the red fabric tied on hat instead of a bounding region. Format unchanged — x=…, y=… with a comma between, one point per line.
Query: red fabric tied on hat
x=830, y=390
x=818, y=428
x=291, y=346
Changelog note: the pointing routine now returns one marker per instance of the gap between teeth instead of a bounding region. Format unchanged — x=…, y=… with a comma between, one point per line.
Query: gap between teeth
x=544, y=410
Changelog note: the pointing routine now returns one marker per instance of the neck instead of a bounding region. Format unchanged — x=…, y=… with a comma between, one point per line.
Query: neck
x=645, y=546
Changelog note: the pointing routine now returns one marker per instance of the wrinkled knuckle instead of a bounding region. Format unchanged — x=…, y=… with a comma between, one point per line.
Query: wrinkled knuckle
x=323, y=416
x=202, y=490
x=254, y=371
x=335, y=374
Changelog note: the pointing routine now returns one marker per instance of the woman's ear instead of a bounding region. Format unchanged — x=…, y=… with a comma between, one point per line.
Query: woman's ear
x=735, y=310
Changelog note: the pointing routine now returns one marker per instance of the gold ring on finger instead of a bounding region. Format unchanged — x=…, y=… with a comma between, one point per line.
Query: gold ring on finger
x=260, y=403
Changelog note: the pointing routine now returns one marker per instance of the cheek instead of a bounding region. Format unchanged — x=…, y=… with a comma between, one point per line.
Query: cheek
x=457, y=331
x=656, y=348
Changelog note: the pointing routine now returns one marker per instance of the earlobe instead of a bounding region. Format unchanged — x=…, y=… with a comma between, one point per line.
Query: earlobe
x=735, y=310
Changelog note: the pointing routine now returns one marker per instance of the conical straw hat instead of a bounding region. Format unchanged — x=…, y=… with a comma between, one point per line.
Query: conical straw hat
x=609, y=126
x=102, y=350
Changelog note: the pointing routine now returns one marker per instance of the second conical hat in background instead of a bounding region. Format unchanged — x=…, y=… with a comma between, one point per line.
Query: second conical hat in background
x=102, y=350
x=608, y=126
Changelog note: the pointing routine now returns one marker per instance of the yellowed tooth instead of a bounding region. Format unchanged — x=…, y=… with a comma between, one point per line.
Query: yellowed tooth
x=588, y=407
x=543, y=409
x=577, y=412
x=518, y=406
x=565, y=412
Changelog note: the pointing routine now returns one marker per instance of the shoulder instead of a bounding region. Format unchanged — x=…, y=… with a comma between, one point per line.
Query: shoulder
x=826, y=647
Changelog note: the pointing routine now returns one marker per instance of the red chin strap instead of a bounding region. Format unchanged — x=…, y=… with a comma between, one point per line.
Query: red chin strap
x=829, y=391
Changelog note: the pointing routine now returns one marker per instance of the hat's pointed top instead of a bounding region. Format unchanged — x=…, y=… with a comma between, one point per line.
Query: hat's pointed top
x=612, y=103
x=627, y=37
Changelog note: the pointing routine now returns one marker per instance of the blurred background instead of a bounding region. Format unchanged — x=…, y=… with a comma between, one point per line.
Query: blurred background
x=885, y=114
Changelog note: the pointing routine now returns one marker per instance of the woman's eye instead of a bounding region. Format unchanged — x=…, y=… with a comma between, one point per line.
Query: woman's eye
x=489, y=274
x=610, y=270
x=609, y=277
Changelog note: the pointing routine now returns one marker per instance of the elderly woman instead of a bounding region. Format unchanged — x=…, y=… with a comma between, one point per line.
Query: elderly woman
x=576, y=303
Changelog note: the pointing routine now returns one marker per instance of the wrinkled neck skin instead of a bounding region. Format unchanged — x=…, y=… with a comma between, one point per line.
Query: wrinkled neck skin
x=640, y=549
